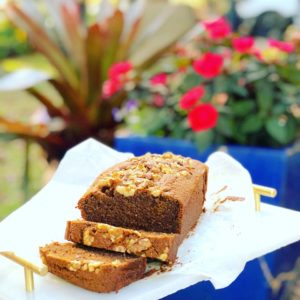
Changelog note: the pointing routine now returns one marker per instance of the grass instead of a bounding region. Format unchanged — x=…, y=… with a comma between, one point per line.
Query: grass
x=20, y=106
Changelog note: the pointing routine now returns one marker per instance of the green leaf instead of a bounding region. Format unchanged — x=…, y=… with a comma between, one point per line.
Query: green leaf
x=110, y=38
x=242, y=108
x=74, y=35
x=145, y=124
x=279, y=109
x=43, y=43
x=204, y=139
x=238, y=89
x=289, y=73
x=34, y=61
x=190, y=81
x=240, y=137
x=220, y=84
x=251, y=124
x=283, y=131
x=161, y=18
x=7, y=137
x=225, y=125
x=257, y=75
x=264, y=95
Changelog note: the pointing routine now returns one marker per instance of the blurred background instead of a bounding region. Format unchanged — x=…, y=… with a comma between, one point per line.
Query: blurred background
x=187, y=76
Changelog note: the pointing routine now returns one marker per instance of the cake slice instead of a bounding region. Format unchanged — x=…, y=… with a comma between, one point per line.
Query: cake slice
x=93, y=269
x=156, y=193
x=161, y=246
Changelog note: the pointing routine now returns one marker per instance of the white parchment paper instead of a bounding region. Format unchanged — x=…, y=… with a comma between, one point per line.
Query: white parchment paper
x=221, y=244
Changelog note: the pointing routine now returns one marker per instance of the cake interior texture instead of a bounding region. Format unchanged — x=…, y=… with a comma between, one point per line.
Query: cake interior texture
x=90, y=268
x=160, y=193
x=161, y=246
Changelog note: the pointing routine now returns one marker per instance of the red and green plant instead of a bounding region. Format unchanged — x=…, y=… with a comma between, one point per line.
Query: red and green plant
x=93, y=57
x=219, y=88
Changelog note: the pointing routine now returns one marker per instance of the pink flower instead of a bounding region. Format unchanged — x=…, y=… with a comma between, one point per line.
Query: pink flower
x=218, y=29
x=209, y=65
x=190, y=98
x=203, y=117
x=257, y=54
x=227, y=53
x=243, y=44
x=283, y=46
x=159, y=79
x=158, y=100
x=110, y=87
x=117, y=70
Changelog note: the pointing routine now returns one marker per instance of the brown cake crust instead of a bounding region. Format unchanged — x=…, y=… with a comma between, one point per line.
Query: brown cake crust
x=161, y=246
x=93, y=269
x=158, y=193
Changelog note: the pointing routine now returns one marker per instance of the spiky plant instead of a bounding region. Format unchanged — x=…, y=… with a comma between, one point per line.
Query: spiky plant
x=81, y=48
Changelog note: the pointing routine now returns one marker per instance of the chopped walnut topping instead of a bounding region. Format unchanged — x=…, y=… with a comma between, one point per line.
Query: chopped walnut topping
x=125, y=190
x=145, y=173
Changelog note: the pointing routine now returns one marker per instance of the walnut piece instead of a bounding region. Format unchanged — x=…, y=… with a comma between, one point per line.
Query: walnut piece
x=88, y=239
x=119, y=249
x=74, y=265
x=136, y=246
x=164, y=255
x=125, y=190
x=145, y=173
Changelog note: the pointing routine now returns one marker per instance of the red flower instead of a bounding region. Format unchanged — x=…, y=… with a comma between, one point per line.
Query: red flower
x=218, y=29
x=283, y=46
x=117, y=70
x=209, y=65
x=190, y=98
x=159, y=79
x=243, y=44
x=110, y=87
x=203, y=117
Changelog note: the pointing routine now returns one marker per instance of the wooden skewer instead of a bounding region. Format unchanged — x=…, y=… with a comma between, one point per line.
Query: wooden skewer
x=30, y=268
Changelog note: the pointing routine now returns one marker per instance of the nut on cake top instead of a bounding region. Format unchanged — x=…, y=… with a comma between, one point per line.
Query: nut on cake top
x=148, y=172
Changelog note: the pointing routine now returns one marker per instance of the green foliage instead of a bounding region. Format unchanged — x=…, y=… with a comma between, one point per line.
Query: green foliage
x=13, y=41
x=204, y=139
x=190, y=81
x=289, y=73
x=257, y=95
x=225, y=126
x=80, y=49
x=264, y=96
x=283, y=131
x=242, y=108
x=251, y=124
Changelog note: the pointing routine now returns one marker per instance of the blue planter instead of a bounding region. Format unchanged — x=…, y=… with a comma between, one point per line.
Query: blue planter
x=278, y=168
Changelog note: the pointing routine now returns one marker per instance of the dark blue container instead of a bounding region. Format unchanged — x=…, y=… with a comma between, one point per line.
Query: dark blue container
x=278, y=168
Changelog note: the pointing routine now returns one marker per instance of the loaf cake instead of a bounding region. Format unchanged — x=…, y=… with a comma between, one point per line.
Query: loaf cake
x=161, y=246
x=156, y=193
x=93, y=269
